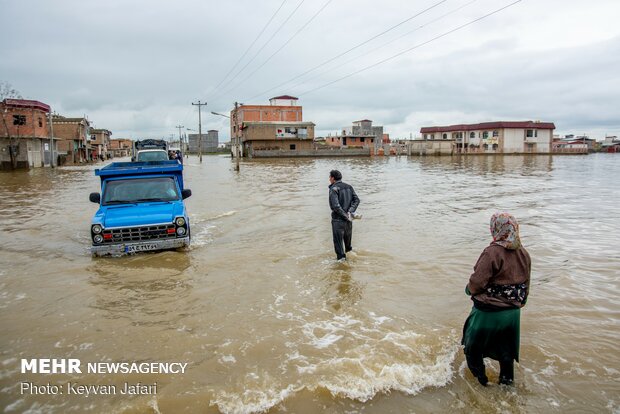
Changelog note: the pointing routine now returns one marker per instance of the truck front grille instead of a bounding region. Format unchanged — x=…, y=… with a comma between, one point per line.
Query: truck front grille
x=136, y=234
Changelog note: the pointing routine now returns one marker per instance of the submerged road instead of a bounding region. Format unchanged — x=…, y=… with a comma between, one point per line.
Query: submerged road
x=267, y=320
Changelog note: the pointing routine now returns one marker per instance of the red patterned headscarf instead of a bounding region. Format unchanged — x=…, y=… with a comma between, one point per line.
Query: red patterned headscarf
x=505, y=231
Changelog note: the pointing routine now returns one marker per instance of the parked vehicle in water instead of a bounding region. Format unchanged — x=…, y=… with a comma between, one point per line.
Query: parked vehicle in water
x=152, y=155
x=150, y=150
x=141, y=208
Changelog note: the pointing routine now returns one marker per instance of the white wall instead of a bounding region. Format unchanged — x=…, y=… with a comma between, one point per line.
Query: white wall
x=513, y=140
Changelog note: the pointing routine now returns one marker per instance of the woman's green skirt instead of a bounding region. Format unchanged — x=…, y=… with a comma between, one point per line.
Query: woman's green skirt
x=494, y=334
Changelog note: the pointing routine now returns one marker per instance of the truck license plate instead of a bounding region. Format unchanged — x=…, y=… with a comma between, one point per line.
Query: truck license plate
x=140, y=247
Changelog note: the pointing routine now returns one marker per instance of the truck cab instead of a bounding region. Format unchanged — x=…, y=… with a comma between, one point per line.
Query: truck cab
x=141, y=208
x=150, y=150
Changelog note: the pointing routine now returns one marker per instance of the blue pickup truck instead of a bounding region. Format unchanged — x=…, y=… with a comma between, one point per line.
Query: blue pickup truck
x=141, y=208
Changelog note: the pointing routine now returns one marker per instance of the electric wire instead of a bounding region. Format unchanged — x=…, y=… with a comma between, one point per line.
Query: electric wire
x=280, y=48
x=353, y=48
x=249, y=47
x=411, y=48
x=262, y=47
x=297, y=85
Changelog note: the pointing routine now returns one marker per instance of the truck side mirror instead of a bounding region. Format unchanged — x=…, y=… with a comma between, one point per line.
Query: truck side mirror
x=185, y=193
x=95, y=198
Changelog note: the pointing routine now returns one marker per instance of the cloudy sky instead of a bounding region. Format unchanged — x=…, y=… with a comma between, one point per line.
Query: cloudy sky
x=134, y=67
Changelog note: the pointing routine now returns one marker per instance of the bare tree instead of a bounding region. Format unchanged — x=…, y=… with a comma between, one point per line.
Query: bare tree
x=7, y=91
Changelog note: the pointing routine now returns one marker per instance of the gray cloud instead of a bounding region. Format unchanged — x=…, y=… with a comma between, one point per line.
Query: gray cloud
x=135, y=67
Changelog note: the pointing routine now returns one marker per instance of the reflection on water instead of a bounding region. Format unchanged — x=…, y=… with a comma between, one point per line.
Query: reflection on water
x=269, y=321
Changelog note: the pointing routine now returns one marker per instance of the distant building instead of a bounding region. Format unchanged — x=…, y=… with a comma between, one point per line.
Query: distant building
x=277, y=128
x=25, y=134
x=505, y=137
x=590, y=143
x=100, y=142
x=210, y=142
x=611, y=144
x=121, y=147
x=74, y=143
x=360, y=134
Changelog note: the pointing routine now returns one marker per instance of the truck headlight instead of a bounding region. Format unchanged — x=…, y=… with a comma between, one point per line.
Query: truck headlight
x=180, y=221
x=181, y=231
x=98, y=238
x=97, y=229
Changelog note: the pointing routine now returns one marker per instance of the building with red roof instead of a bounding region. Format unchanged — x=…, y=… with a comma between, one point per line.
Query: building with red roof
x=25, y=135
x=277, y=127
x=506, y=137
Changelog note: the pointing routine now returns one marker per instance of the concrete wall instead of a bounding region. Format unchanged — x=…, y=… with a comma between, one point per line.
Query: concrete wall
x=331, y=152
x=269, y=132
x=430, y=147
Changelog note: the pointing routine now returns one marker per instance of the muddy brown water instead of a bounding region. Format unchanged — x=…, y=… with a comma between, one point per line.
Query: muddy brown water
x=268, y=321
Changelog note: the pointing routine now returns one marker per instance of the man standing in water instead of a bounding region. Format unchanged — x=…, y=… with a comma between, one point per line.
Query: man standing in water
x=343, y=201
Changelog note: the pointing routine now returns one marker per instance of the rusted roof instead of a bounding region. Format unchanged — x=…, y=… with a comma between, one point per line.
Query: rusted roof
x=489, y=125
x=26, y=103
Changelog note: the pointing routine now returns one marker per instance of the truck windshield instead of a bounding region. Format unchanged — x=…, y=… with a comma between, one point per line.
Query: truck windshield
x=139, y=190
x=152, y=156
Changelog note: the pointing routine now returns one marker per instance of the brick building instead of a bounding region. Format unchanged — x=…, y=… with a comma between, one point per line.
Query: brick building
x=25, y=137
x=120, y=147
x=74, y=133
x=275, y=127
x=100, y=142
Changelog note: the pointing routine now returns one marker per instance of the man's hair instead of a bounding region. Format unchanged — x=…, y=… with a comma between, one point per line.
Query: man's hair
x=336, y=174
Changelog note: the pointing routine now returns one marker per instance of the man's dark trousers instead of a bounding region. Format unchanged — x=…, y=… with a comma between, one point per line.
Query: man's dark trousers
x=342, y=232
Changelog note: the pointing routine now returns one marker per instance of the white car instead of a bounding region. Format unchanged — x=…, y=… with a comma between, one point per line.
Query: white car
x=152, y=155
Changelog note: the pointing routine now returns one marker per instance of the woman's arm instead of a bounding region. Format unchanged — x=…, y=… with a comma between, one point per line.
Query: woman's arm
x=483, y=271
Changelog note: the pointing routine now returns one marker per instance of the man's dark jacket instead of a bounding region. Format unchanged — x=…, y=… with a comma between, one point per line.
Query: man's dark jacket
x=342, y=200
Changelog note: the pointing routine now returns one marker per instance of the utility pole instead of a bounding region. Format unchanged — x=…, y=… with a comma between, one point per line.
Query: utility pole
x=180, y=137
x=200, y=105
x=51, y=140
x=237, y=138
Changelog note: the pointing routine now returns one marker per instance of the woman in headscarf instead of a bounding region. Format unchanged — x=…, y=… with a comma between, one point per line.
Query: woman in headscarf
x=498, y=287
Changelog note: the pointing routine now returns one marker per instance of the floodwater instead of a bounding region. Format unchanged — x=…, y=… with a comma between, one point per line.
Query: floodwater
x=268, y=321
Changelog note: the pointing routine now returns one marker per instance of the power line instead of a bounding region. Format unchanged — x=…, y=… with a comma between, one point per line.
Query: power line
x=351, y=49
x=412, y=48
x=249, y=47
x=281, y=47
x=262, y=47
x=383, y=45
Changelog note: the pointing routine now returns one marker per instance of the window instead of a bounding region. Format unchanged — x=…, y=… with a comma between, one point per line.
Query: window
x=432, y=136
x=425, y=136
x=445, y=136
x=19, y=119
x=472, y=135
x=496, y=133
x=486, y=146
x=531, y=133
x=495, y=147
x=292, y=146
x=485, y=134
x=362, y=139
x=140, y=190
x=40, y=122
